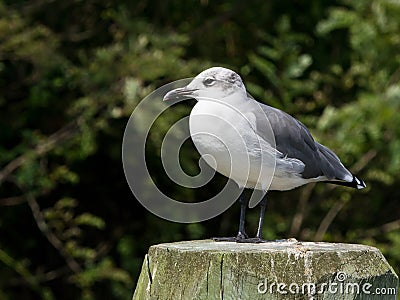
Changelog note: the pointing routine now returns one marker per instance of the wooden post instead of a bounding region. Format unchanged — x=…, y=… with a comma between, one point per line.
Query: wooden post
x=277, y=270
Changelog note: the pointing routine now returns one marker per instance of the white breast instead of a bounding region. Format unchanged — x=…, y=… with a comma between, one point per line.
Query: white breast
x=222, y=131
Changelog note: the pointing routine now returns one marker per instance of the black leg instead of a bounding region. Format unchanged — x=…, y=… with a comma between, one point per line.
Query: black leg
x=243, y=205
x=258, y=238
x=263, y=204
x=242, y=235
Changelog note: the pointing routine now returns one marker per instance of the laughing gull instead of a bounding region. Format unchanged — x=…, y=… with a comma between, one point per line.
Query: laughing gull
x=256, y=145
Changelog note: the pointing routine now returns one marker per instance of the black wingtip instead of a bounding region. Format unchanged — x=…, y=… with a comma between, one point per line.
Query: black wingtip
x=355, y=183
x=359, y=183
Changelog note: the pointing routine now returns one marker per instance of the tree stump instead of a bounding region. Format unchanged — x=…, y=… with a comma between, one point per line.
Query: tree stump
x=206, y=269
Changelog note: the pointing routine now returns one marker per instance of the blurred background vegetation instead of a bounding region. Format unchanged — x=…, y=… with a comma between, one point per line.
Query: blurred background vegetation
x=71, y=73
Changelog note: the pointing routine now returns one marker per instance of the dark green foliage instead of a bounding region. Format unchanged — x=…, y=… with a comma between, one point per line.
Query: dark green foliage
x=71, y=72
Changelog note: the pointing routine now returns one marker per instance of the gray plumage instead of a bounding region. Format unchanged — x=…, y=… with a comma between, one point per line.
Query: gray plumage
x=294, y=140
x=299, y=158
x=256, y=145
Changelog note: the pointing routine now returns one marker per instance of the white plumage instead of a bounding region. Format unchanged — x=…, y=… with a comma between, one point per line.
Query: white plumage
x=258, y=146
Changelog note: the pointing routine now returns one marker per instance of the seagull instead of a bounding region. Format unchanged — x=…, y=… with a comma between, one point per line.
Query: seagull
x=257, y=146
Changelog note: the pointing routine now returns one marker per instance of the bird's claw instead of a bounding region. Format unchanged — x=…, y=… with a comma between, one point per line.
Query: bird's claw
x=240, y=239
x=255, y=240
x=241, y=235
x=224, y=239
x=243, y=239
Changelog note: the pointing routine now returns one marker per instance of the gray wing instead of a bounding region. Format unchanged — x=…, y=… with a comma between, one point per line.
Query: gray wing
x=293, y=140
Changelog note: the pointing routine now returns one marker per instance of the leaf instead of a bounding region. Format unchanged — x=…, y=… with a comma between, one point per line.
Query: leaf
x=297, y=69
x=338, y=18
x=90, y=220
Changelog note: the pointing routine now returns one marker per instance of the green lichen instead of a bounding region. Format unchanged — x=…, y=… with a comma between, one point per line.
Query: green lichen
x=212, y=270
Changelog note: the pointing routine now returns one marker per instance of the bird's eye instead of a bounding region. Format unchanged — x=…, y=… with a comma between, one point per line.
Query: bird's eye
x=209, y=81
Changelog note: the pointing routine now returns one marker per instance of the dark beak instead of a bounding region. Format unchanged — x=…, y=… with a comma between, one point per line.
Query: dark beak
x=179, y=94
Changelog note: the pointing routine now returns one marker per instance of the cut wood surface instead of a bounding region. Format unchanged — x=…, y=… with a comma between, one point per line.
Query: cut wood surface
x=206, y=269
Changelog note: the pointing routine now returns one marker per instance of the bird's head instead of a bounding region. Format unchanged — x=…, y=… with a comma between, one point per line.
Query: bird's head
x=214, y=83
